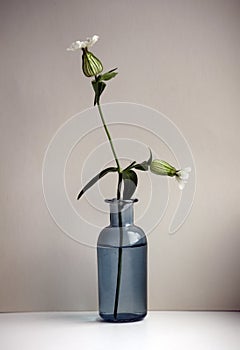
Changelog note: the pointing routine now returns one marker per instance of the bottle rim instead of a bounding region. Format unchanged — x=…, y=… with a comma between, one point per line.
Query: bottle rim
x=115, y=201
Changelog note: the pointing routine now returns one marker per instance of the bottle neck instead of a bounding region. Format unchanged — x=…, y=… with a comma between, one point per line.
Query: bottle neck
x=121, y=213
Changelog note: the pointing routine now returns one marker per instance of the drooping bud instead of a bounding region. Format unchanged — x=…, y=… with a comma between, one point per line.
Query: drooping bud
x=91, y=65
x=160, y=167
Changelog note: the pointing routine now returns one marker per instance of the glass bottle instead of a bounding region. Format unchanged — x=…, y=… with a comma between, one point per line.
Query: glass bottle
x=122, y=266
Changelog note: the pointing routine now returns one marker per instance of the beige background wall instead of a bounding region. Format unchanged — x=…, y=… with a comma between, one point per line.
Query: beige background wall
x=179, y=57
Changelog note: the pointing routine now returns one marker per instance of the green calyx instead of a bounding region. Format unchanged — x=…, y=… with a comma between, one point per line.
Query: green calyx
x=160, y=167
x=91, y=65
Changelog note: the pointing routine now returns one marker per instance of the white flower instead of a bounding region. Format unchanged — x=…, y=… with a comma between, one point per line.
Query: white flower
x=160, y=167
x=182, y=177
x=77, y=45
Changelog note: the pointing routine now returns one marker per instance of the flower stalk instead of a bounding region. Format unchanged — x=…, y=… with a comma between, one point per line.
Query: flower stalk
x=119, y=187
x=109, y=137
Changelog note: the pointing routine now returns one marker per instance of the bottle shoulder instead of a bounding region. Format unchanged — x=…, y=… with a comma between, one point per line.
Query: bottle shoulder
x=131, y=235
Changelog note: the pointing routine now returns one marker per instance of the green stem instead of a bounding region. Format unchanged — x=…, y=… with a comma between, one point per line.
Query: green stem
x=119, y=188
x=119, y=269
x=109, y=137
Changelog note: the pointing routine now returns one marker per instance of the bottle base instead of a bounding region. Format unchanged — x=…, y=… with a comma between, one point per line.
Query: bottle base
x=122, y=317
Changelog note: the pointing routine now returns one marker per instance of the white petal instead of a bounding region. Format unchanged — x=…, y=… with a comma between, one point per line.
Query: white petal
x=77, y=45
x=181, y=184
x=184, y=175
x=91, y=41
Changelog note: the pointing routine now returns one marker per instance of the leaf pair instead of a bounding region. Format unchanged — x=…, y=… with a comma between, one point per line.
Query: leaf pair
x=99, y=85
x=128, y=177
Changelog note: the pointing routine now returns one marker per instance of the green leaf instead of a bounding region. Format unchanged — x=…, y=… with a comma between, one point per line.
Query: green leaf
x=144, y=165
x=130, y=181
x=149, y=161
x=109, y=75
x=112, y=70
x=95, y=179
x=98, y=87
x=130, y=166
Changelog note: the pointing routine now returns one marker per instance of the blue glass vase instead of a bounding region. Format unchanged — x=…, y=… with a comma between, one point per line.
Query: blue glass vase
x=122, y=266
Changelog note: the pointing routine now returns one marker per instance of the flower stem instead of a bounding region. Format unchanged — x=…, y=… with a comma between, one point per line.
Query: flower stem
x=109, y=137
x=119, y=268
x=119, y=188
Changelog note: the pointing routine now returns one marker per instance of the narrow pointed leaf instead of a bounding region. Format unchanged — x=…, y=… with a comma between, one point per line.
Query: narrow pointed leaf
x=130, y=166
x=144, y=165
x=112, y=70
x=149, y=161
x=109, y=75
x=95, y=179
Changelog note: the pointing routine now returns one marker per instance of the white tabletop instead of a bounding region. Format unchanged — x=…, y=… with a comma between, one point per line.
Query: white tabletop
x=83, y=330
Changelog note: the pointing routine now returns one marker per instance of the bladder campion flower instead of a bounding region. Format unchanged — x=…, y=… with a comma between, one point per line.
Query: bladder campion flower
x=160, y=167
x=91, y=65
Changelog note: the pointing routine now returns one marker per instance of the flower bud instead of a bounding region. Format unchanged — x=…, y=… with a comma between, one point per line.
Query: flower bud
x=160, y=167
x=91, y=65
